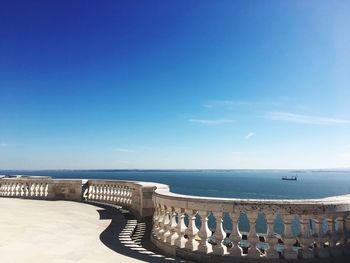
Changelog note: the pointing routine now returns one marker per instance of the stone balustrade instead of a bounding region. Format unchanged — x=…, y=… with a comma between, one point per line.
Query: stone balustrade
x=135, y=196
x=205, y=229
x=211, y=229
x=44, y=188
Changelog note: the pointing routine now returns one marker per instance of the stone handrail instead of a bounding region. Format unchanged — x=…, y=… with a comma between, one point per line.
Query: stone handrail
x=203, y=228
x=135, y=196
x=44, y=188
x=132, y=195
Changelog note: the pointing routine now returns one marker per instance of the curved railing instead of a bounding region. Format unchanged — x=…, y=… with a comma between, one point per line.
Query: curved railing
x=132, y=195
x=135, y=196
x=36, y=187
x=201, y=228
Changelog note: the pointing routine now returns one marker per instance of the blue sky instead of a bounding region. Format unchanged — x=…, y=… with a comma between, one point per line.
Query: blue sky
x=174, y=84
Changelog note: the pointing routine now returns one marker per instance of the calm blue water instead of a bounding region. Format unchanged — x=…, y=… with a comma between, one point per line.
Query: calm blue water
x=234, y=183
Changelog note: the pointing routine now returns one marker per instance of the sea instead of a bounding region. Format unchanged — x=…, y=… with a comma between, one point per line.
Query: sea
x=254, y=184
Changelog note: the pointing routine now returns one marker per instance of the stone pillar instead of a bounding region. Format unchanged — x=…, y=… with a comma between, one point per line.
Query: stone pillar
x=306, y=239
x=322, y=251
x=162, y=219
x=253, y=251
x=204, y=233
x=173, y=224
x=219, y=235
x=180, y=228
x=346, y=227
x=167, y=224
x=335, y=243
x=271, y=239
x=235, y=237
x=288, y=238
x=191, y=231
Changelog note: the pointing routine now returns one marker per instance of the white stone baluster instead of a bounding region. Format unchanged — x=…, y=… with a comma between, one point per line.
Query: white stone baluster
x=13, y=189
x=219, y=235
x=253, y=251
x=27, y=190
x=173, y=234
x=204, y=233
x=322, y=252
x=306, y=239
x=162, y=219
x=235, y=236
x=114, y=193
x=180, y=228
x=17, y=190
x=288, y=238
x=167, y=224
x=336, y=236
x=32, y=190
x=346, y=227
x=191, y=231
x=271, y=238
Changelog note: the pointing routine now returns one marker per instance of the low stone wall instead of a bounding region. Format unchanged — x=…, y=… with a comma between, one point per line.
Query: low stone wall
x=132, y=195
x=207, y=229
x=211, y=229
x=135, y=196
x=41, y=188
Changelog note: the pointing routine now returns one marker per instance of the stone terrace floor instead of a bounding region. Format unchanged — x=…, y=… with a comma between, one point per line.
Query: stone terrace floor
x=35, y=231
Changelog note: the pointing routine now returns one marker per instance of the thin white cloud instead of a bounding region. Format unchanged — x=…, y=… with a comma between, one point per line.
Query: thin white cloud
x=249, y=135
x=347, y=146
x=303, y=119
x=211, y=121
x=123, y=150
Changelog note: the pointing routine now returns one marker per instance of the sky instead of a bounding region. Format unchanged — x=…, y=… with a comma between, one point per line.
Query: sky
x=174, y=84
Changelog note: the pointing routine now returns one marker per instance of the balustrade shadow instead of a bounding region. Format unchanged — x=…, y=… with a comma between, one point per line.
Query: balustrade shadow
x=110, y=237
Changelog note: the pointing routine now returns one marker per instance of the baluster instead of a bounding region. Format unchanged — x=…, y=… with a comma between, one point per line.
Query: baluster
x=271, y=238
x=118, y=194
x=162, y=220
x=219, y=235
x=37, y=192
x=191, y=231
x=122, y=194
x=128, y=195
x=114, y=193
x=235, y=237
x=13, y=186
x=17, y=190
x=46, y=189
x=155, y=226
x=336, y=236
x=322, y=252
x=328, y=236
x=32, y=189
x=306, y=239
x=27, y=189
x=173, y=224
x=167, y=224
x=253, y=251
x=91, y=191
x=288, y=238
x=204, y=233
x=42, y=190
x=346, y=227
x=97, y=193
x=180, y=228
